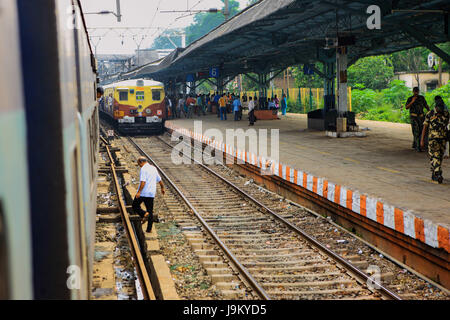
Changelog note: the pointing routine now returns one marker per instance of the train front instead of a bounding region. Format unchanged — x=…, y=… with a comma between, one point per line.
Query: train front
x=139, y=107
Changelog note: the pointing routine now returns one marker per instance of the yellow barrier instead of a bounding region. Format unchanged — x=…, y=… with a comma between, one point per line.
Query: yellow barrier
x=317, y=95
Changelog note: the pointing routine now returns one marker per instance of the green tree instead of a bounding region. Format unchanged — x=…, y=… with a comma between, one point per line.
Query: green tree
x=412, y=61
x=206, y=21
x=303, y=80
x=373, y=72
x=396, y=94
x=163, y=42
x=248, y=84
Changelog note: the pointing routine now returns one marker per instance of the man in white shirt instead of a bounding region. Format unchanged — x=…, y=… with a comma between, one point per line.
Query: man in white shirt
x=149, y=176
x=251, y=111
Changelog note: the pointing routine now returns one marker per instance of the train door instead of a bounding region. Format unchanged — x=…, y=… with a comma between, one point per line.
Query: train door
x=77, y=281
x=4, y=279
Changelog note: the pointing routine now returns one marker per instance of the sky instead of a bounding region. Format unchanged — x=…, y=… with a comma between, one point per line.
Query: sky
x=138, y=13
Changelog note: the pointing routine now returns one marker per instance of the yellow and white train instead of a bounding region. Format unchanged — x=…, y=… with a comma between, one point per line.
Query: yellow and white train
x=135, y=106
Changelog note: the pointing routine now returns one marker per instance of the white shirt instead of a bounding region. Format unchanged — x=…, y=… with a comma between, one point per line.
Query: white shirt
x=251, y=105
x=151, y=177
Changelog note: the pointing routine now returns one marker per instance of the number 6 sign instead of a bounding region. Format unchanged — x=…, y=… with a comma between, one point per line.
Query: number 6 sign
x=214, y=72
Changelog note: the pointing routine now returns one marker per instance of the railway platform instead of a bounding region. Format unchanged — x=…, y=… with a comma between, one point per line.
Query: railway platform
x=378, y=176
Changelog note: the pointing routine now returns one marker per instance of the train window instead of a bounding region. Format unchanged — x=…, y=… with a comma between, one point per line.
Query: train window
x=93, y=129
x=156, y=95
x=3, y=258
x=140, y=95
x=123, y=95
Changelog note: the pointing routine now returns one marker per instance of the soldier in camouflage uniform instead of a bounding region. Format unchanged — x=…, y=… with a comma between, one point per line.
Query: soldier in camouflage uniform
x=436, y=121
x=416, y=104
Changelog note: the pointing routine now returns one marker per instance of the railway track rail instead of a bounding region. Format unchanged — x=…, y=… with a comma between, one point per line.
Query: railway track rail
x=138, y=258
x=274, y=257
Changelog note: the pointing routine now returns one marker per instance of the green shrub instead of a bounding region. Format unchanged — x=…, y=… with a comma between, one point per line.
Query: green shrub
x=385, y=112
x=364, y=100
x=396, y=94
x=443, y=91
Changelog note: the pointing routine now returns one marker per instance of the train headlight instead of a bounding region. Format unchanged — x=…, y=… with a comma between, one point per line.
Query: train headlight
x=159, y=112
x=148, y=111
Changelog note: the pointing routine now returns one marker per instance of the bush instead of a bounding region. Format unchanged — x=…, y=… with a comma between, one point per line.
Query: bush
x=363, y=100
x=396, y=94
x=443, y=91
x=385, y=112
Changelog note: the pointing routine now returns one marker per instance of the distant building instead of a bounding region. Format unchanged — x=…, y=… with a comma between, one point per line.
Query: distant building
x=428, y=80
x=284, y=80
x=145, y=56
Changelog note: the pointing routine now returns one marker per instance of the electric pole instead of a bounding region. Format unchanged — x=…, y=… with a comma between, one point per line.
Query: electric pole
x=226, y=12
x=119, y=15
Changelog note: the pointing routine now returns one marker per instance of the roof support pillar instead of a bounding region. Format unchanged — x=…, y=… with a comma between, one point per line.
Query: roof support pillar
x=329, y=90
x=341, y=65
x=329, y=61
x=219, y=84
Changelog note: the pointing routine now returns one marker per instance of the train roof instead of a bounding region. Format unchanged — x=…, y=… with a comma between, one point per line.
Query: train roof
x=133, y=83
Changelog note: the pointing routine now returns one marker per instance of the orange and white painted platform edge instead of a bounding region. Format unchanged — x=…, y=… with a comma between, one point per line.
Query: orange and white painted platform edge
x=404, y=221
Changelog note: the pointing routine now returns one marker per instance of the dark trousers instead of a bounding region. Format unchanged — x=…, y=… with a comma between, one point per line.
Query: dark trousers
x=251, y=117
x=148, y=205
x=223, y=113
x=417, y=127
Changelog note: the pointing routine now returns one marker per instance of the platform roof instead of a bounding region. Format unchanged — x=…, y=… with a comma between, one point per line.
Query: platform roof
x=274, y=34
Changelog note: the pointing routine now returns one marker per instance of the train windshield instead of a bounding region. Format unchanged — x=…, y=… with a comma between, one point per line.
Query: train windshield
x=123, y=95
x=140, y=95
x=156, y=95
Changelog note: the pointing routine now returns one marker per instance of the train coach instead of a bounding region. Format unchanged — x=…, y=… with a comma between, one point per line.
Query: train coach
x=135, y=106
x=48, y=151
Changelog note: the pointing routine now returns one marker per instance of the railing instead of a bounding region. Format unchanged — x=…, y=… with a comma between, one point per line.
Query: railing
x=302, y=99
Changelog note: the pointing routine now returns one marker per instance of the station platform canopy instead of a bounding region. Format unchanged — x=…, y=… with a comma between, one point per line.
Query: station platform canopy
x=274, y=34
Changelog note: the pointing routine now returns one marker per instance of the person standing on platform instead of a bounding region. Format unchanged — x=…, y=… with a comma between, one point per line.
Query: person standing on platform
x=276, y=102
x=416, y=104
x=436, y=122
x=167, y=108
x=251, y=111
x=283, y=105
x=223, y=107
x=148, y=178
x=216, y=103
x=208, y=103
x=190, y=103
x=180, y=107
x=173, y=106
x=236, y=108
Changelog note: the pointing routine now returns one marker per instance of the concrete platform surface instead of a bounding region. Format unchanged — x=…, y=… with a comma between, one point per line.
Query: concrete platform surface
x=382, y=166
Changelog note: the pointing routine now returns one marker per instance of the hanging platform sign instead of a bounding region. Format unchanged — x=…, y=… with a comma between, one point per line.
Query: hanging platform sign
x=202, y=75
x=214, y=72
x=308, y=70
x=190, y=78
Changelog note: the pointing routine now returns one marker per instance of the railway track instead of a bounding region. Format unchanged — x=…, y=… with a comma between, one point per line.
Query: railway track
x=270, y=254
x=134, y=245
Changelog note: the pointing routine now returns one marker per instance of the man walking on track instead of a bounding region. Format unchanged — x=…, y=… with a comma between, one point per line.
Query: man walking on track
x=416, y=104
x=149, y=176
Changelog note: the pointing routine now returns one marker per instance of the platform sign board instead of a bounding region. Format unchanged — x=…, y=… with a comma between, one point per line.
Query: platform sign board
x=202, y=75
x=214, y=72
x=190, y=78
x=307, y=69
x=431, y=60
